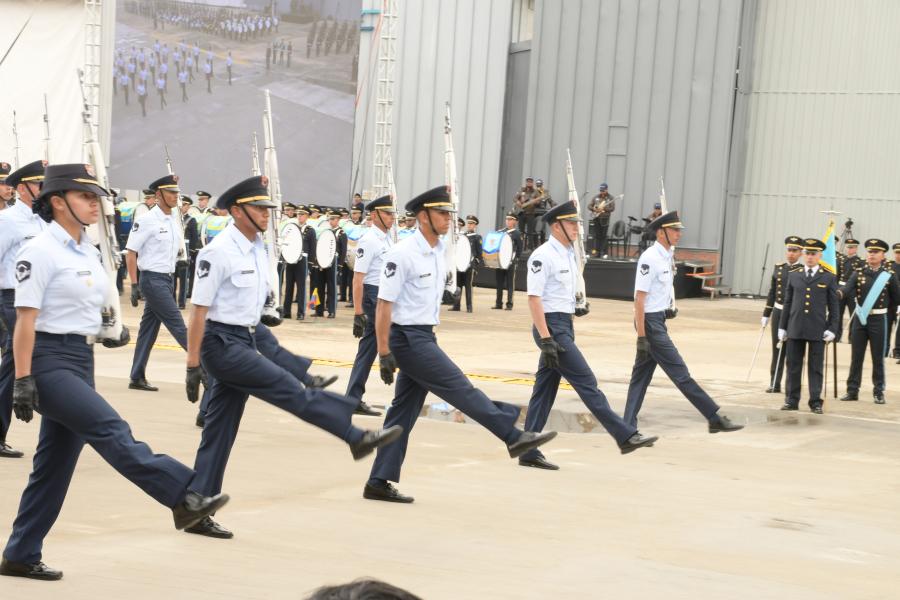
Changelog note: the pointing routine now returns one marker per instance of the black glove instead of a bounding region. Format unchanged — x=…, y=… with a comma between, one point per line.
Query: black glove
x=550, y=352
x=387, y=364
x=359, y=325
x=124, y=338
x=135, y=294
x=671, y=313
x=181, y=265
x=192, y=383
x=25, y=398
x=580, y=312
x=643, y=348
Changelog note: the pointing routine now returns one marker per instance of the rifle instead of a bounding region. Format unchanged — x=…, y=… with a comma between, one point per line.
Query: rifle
x=450, y=285
x=15, y=132
x=672, y=311
x=254, y=157
x=46, y=132
x=272, y=309
x=181, y=260
x=582, y=306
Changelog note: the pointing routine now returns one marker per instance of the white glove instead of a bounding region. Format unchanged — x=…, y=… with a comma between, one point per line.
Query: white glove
x=765, y=321
x=898, y=311
x=828, y=336
x=782, y=334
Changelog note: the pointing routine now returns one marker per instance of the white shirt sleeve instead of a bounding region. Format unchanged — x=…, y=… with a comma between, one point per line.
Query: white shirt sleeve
x=140, y=231
x=365, y=252
x=34, y=270
x=537, y=274
x=211, y=272
x=393, y=277
x=646, y=272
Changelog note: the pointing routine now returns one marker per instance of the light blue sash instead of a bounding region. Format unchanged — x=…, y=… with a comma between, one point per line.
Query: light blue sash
x=863, y=311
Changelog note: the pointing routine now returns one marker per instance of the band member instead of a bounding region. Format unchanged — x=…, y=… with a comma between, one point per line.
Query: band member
x=409, y=306
x=876, y=291
x=775, y=303
x=203, y=202
x=552, y=281
x=184, y=275
x=506, y=278
x=847, y=264
x=601, y=206
x=232, y=287
x=370, y=253
x=328, y=277
x=654, y=296
x=466, y=278
x=525, y=204
x=59, y=296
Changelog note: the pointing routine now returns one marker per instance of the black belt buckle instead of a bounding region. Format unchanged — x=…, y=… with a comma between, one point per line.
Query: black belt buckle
x=671, y=313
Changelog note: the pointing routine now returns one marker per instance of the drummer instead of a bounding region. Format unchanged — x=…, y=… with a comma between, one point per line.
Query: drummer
x=506, y=278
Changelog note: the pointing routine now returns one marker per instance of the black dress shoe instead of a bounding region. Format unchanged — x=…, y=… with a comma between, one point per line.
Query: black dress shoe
x=815, y=410
x=301, y=317
x=454, y=309
x=773, y=390
x=529, y=440
x=509, y=307
x=209, y=528
x=349, y=305
x=374, y=439
x=722, y=423
x=850, y=397
x=385, y=493
x=200, y=421
x=637, y=441
x=468, y=309
x=194, y=508
x=141, y=384
x=6, y=451
x=330, y=315
x=879, y=398
x=364, y=409
x=538, y=462
x=286, y=316
x=36, y=570
x=787, y=406
x=318, y=382
x=497, y=307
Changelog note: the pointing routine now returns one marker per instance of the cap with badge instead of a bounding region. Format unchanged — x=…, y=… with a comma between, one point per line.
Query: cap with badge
x=302, y=210
x=472, y=219
x=670, y=220
x=512, y=215
x=876, y=244
x=253, y=191
x=437, y=198
x=896, y=247
x=357, y=207
x=202, y=194
x=33, y=172
x=288, y=205
x=314, y=208
x=567, y=211
x=811, y=245
x=187, y=200
x=383, y=203
x=5, y=169
x=64, y=178
x=169, y=183
x=851, y=243
x=148, y=192
x=793, y=241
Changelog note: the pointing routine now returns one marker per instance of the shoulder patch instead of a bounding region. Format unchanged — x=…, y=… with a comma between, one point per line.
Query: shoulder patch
x=23, y=270
x=360, y=252
x=135, y=226
x=645, y=268
x=536, y=266
x=390, y=269
x=202, y=269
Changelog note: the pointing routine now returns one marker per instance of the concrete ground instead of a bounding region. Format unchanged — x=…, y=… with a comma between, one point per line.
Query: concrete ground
x=795, y=506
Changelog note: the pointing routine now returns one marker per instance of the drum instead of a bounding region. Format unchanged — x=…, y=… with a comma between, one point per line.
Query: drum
x=497, y=250
x=326, y=248
x=291, y=243
x=212, y=226
x=354, y=234
x=126, y=217
x=463, y=253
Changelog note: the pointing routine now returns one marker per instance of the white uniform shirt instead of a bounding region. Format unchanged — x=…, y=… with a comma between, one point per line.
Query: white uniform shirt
x=154, y=236
x=18, y=224
x=655, y=275
x=232, y=278
x=370, y=251
x=553, y=275
x=64, y=280
x=413, y=279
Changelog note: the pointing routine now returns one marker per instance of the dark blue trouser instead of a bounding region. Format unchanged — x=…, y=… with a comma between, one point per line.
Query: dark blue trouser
x=181, y=285
x=229, y=355
x=74, y=414
x=578, y=373
x=365, y=355
x=295, y=281
x=7, y=365
x=663, y=353
x=425, y=368
x=159, y=308
x=876, y=335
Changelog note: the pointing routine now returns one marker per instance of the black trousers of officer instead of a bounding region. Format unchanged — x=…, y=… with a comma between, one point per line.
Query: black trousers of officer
x=7, y=364
x=873, y=334
x=663, y=353
x=365, y=354
x=192, y=271
x=327, y=286
x=159, y=308
x=295, y=287
x=232, y=358
x=776, y=367
x=346, y=283
x=506, y=280
x=578, y=373
x=465, y=279
x=849, y=303
x=815, y=362
x=180, y=281
x=73, y=414
x=425, y=368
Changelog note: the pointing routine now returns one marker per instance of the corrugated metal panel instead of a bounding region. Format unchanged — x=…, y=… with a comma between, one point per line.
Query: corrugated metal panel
x=824, y=125
x=637, y=89
x=454, y=51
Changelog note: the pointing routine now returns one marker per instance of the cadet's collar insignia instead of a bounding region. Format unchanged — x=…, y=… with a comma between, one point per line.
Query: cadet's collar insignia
x=536, y=266
x=202, y=269
x=390, y=269
x=23, y=270
x=645, y=268
x=359, y=252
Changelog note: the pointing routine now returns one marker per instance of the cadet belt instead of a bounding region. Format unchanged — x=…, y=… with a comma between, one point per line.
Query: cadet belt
x=878, y=311
x=779, y=306
x=251, y=329
x=65, y=338
x=417, y=327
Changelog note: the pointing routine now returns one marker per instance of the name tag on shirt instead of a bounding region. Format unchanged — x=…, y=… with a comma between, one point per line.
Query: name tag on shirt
x=84, y=273
x=248, y=272
x=423, y=275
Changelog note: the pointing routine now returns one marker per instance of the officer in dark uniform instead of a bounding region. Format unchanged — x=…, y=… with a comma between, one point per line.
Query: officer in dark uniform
x=847, y=263
x=328, y=277
x=306, y=262
x=346, y=287
x=895, y=267
x=59, y=295
x=184, y=276
x=231, y=289
x=875, y=290
x=506, y=278
x=809, y=319
x=409, y=306
x=466, y=278
x=775, y=303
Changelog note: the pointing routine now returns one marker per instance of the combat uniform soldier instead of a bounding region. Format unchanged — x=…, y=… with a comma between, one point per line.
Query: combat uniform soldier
x=775, y=303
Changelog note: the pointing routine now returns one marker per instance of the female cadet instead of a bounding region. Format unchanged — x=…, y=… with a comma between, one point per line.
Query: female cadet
x=61, y=286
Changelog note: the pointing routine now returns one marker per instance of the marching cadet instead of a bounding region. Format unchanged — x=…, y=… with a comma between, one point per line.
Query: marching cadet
x=153, y=246
x=874, y=289
x=409, y=306
x=370, y=253
x=775, y=303
x=847, y=264
x=811, y=315
x=552, y=281
x=654, y=297
x=315, y=215
x=18, y=224
x=60, y=292
x=184, y=275
x=506, y=278
x=466, y=278
x=231, y=289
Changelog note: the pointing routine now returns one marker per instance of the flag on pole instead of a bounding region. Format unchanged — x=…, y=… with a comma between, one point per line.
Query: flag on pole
x=313, y=300
x=829, y=256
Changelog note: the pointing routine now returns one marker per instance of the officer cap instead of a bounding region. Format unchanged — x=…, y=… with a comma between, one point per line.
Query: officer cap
x=410, y=214
x=5, y=168
x=33, y=172
x=813, y=245
x=202, y=194
x=460, y=222
x=512, y=215
x=562, y=212
x=62, y=178
x=472, y=219
x=253, y=191
x=383, y=203
x=313, y=208
x=603, y=187
x=851, y=242
x=288, y=205
x=344, y=212
x=148, y=192
x=357, y=207
x=896, y=247
x=302, y=210
x=437, y=198
x=169, y=183
x=187, y=200
x=793, y=241
x=876, y=244
x=670, y=220
x=332, y=214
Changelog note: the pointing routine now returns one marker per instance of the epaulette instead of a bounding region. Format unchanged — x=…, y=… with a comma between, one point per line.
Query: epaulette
x=781, y=264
